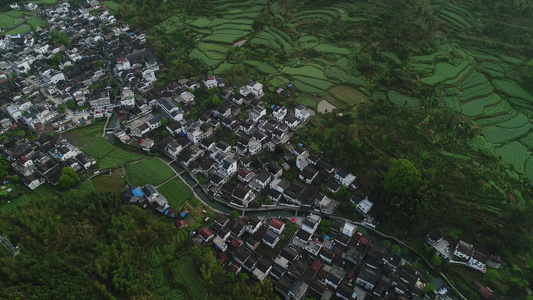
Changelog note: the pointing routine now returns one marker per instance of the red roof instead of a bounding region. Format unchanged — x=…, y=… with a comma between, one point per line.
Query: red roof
x=485, y=292
x=316, y=265
x=276, y=223
x=364, y=240
x=234, y=267
x=23, y=160
x=181, y=223
x=222, y=256
x=205, y=233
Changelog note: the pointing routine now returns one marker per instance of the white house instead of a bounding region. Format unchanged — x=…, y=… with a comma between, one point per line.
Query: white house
x=364, y=206
x=14, y=113
x=255, y=88
x=311, y=223
x=210, y=81
x=32, y=182
x=170, y=109
x=279, y=113
x=127, y=98
x=463, y=250
x=195, y=135
x=344, y=177
x=349, y=229
x=186, y=97
x=478, y=260
x=123, y=64
x=302, y=113
x=155, y=122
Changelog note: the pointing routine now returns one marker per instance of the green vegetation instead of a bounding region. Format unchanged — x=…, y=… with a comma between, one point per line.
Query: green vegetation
x=82, y=136
x=98, y=149
x=68, y=178
x=117, y=157
x=176, y=192
x=402, y=178
x=150, y=171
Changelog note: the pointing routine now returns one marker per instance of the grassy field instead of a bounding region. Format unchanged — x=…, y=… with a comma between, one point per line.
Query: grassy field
x=176, y=192
x=82, y=136
x=104, y=183
x=116, y=158
x=150, y=171
x=98, y=149
x=40, y=192
x=186, y=274
x=37, y=22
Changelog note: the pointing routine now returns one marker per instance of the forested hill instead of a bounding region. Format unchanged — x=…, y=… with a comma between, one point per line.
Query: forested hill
x=89, y=246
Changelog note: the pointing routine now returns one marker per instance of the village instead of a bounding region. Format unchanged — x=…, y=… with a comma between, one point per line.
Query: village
x=240, y=152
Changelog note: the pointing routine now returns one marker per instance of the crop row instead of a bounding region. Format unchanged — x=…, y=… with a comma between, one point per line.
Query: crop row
x=514, y=154
x=176, y=192
x=186, y=274
x=150, y=171
x=498, y=135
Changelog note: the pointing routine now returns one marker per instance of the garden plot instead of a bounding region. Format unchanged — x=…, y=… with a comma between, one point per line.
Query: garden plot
x=317, y=83
x=497, y=119
x=176, y=192
x=497, y=109
x=327, y=48
x=403, y=100
x=514, y=154
x=117, y=158
x=307, y=71
x=498, y=135
x=444, y=71
x=98, y=149
x=477, y=106
x=518, y=121
x=512, y=89
x=150, y=171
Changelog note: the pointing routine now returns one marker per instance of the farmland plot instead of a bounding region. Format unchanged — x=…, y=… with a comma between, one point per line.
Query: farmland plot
x=116, y=158
x=176, y=192
x=514, y=154
x=150, y=171
x=186, y=274
x=98, y=149
x=498, y=135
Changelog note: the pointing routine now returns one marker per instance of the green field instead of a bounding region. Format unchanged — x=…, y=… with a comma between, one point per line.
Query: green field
x=514, y=154
x=37, y=22
x=512, y=89
x=98, y=149
x=81, y=136
x=176, y=192
x=8, y=20
x=117, y=158
x=104, y=183
x=151, y=171
x=403, y=100
x=186, y=274
x=331, y=49
x=307, y=71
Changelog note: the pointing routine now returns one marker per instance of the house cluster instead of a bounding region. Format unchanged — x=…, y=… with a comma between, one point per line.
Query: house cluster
x=80, y=66
x=462, y=252
x=148, y=197
x=344, y=264
x=23, y=5
x=42, y=161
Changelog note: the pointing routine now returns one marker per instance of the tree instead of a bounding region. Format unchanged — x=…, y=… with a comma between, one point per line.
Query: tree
x=71, y=104
x=68, y=178
x=429, y=288
x=61, y=108
x=402, y=178
x=164, y=122
x=233, y=214
x=436, y=260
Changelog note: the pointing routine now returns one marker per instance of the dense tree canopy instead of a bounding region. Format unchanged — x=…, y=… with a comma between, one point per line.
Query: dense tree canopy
x=68, y=178
x=402, y=178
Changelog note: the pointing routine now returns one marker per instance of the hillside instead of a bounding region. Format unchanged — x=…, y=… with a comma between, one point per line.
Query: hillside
x=443, y=83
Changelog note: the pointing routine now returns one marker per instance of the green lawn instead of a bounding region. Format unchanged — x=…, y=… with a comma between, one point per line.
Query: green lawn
x=150, y=171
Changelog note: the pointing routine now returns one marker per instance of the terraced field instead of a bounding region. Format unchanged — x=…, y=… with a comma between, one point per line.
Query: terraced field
x=472, y=84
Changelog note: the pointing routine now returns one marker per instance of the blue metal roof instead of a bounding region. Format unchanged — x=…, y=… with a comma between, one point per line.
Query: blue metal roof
x=138, y=192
